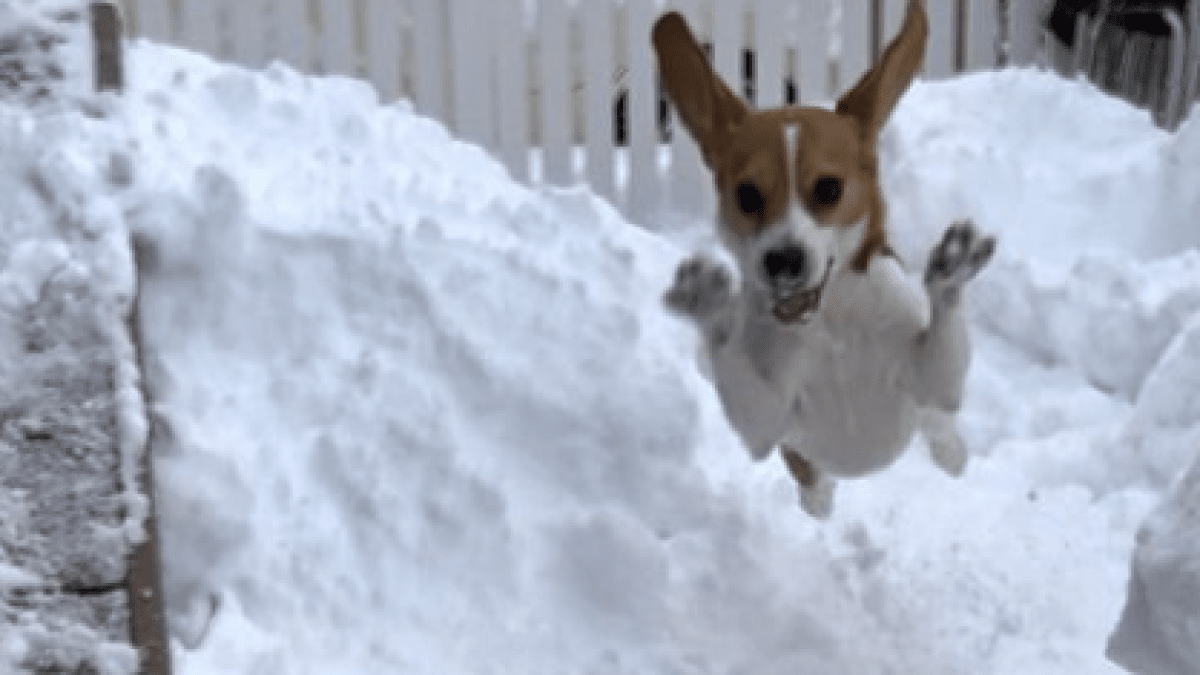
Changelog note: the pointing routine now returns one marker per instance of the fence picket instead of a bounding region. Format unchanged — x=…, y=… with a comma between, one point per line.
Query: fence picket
x=1024, y=30
x=430, y=56
x=293, y=34
x=599, y=72
x=153, y=19
x=512, y=93
x=554, y=74
x=812, y=47
x=855, y=29
x=198, y=27
x=470, y=28
x=983, y=34
x=336, y=37
x=384, y=47
x=642, y=195
x=770, y=31
x=940, y=48
x=891, y=15
x=727, y=43
x=248, y=23
x=688, y=186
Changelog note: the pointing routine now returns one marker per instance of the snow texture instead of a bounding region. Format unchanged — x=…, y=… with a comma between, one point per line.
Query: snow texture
x=414, y=417
x=418, y=418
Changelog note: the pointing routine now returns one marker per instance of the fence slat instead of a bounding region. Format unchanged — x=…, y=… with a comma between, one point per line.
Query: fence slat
x=983, y=35
x=812, y=49
x=770, y=31
x=555, y=87
x=384, y=47
x=293, y=34
x=1024, y=30
x=198, y=27
x=248, y=24
x=471, y=31
x=642, y=196
x=429, y=35
x=599, y=72
x=154, y=20
x=688, y=185
x=513, y=93
x=856, y=43
x=940, y=49
x=891, y=14
x=336, y=37
x=727, y=43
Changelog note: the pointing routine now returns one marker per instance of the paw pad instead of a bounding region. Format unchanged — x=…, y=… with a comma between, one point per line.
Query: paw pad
x=701, y=286
x=959, y=256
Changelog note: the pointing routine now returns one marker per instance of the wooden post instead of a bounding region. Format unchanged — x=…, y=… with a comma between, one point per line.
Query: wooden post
x=108, y=48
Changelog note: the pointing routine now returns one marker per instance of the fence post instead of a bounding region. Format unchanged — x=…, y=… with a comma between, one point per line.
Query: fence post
x=109, y=67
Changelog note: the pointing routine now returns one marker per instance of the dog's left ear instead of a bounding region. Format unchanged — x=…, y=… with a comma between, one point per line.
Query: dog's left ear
x=871, y=100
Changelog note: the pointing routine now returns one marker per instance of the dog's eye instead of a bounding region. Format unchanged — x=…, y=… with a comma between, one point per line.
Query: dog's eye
x=749, y=199
x=827, y=191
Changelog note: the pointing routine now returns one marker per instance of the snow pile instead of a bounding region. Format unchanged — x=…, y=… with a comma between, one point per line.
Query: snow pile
x=1159, y=632
x=418, y=418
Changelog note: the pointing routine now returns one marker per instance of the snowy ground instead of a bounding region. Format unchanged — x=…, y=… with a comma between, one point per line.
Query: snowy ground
x=420, y=419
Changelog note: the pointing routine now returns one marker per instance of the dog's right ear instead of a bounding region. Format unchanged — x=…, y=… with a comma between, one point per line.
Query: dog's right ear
x=709, y=110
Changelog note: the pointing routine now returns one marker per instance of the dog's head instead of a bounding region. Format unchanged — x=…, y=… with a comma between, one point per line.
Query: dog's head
x=797, y=187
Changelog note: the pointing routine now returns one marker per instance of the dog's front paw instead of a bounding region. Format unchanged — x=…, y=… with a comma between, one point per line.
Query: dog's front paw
x=962, y=252
x=702, y=287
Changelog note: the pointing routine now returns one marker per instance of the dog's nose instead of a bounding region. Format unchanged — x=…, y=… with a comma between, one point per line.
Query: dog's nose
x=788, y=264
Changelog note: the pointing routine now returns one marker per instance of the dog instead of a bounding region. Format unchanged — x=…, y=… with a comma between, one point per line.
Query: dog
x=828, y=349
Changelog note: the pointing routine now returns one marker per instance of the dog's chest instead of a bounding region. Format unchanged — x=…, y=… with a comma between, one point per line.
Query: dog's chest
x=845, y=373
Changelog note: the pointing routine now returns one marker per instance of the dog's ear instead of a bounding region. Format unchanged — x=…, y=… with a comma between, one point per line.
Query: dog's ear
x=871, y=100
x=709, y=110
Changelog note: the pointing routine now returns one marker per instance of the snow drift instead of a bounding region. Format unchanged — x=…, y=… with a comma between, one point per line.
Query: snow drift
x=417, y=417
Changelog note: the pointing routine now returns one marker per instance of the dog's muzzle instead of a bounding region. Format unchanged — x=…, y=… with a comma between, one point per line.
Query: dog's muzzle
x=799, y=306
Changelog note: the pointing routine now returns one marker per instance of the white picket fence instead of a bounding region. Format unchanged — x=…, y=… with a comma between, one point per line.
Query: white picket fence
x=515, y=75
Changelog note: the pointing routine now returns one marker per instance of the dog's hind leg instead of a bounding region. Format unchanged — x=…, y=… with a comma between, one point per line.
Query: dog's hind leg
x=816, y=488
x=946, y=445
x=942, y=352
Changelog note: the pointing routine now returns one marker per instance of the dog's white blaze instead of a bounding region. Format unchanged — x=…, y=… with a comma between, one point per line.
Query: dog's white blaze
x=819, y=241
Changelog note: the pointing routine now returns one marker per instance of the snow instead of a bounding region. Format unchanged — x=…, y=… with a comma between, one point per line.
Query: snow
x=418, y=418
x=1159, y=632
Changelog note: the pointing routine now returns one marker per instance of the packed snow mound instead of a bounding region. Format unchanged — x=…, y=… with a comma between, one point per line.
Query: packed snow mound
x=1159, y=632
x=418, y=418
x=1060, y=167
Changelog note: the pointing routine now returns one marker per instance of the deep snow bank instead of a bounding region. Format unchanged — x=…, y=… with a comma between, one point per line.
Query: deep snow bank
x=1159, y=631
x=420, y=418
